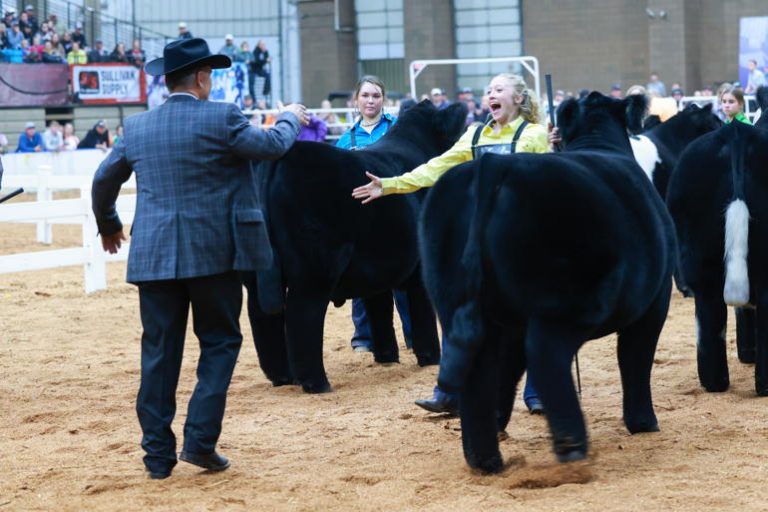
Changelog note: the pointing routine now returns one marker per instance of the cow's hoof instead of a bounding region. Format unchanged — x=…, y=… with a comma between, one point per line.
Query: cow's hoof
x=428, y=359
x=386, y=357
x=284, y=381
x=569, y=449
x=643, y=426
x=747, y=358
x=488, y=465
x=317, y=388
x=720, y=387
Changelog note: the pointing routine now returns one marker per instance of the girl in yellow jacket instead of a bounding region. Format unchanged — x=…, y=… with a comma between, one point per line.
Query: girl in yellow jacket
x=514, y=128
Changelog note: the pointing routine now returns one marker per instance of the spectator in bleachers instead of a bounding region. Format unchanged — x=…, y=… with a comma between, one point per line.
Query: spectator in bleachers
x=616, y=91
x=77, y=55
x=118, y=134
x=32, y=19
x=10, y=17
x=261, y=61
x=437, y=97
x=58, y=47
x=30, y=141
x=53, y=21
x=229, y=49
x=66, y=42
x=248, y=102
x=464, y=94
x=677, y=95
x=35, y=51
x=97, y=137
x=183, y=32
x=51, y=55
x=3, y=37
x=25, y=27
x=70, y=139
x=330, y=118
x=756, y=77
x=14, y=55
x=53, y=140
x=3, y=141
x=98, y=53
x=137, y=56
x=656, y=86
x=118, y=54
x=245, y=55
x=78, y=36
x=45, y=32
x=14, y=36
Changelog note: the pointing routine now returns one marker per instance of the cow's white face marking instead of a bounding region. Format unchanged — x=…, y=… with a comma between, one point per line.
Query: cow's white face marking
x=646, y=154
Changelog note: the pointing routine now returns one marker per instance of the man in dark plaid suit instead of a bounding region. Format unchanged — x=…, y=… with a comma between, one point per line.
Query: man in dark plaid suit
x=197, y=224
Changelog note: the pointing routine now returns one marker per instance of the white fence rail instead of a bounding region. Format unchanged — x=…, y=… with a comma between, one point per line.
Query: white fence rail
x=65, y=211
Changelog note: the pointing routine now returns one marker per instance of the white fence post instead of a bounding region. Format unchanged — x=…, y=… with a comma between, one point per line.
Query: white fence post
x=44, y=193
x=96, y=261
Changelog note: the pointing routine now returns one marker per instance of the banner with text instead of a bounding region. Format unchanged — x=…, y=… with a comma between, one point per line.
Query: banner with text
x=109, y=83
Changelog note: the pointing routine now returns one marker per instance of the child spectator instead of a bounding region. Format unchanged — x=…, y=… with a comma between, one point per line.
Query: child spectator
x=77, y=56
x=732, y=104
x=51, y=55
x=70, y=139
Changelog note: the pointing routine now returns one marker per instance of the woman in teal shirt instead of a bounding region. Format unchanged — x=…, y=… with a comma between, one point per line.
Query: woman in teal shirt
x=373, y=124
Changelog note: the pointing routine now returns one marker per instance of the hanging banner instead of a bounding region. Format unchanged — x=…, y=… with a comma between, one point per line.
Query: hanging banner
x=753, y=45
x=27, y=85
x=230, y=84
x=108, y=83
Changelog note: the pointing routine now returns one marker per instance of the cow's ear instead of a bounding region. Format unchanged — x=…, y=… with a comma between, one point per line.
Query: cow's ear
x=635, y=108
x=451, y=121
x=567, y=115
x=707, y=108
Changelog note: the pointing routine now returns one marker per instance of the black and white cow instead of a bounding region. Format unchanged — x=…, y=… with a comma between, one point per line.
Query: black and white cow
x=718, y=198
x=526, y=257
x=329, y=248
x=658, y=149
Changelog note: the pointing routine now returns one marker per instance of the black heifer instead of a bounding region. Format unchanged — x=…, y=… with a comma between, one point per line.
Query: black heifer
x=329, y=247
x=526, y=257
x=658, y=149
x=718, y=198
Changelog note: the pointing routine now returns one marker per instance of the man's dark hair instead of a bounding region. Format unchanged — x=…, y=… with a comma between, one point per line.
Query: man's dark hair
x=182, y=78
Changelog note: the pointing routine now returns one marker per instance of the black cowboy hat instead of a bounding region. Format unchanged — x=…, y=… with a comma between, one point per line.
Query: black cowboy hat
x=184, y=53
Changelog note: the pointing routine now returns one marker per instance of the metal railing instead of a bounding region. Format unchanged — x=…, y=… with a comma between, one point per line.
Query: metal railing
x=108, y=29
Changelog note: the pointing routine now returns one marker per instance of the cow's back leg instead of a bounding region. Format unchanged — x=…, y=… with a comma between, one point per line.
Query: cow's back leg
x=636, y=349
x=761, y=348
x=304, y=322
x=268, y=336
x=512, y=358
x=711, y=318
x=478, y=403
x=379, y=310
x=745, y=334
x=426, y=344
x=549, y=349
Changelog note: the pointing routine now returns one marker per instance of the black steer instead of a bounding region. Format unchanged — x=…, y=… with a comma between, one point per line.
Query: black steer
x=718, y=198
x=526, y=257
x=658, y=149
x=329, y=247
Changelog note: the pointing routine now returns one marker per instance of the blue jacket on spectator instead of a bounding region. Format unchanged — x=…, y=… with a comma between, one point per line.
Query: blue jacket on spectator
x=27, y=145
x=13, y=56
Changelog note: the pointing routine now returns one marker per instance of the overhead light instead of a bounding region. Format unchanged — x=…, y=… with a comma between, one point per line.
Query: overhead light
x=650, y=13
x=663, y=15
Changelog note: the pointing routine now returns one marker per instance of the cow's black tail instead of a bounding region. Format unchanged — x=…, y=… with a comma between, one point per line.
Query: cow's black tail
x=269, y=281
x=736, y=289
x=467, y=330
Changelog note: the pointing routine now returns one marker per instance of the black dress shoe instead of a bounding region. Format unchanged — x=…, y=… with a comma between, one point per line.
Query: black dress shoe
x=210, y=461
x=439, y=406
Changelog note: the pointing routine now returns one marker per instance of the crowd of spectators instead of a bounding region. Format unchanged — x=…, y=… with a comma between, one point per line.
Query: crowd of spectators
x=24, y=39
x=62, y=138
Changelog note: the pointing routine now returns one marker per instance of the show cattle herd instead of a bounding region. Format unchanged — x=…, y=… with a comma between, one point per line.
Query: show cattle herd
x=525, y=257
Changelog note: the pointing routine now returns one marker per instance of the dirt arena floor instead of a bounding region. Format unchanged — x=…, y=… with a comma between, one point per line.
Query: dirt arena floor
x=69, y=438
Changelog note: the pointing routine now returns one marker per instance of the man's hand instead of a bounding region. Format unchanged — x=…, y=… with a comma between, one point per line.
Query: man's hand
x=296, y=109
x=369, y=192
x=111, y=243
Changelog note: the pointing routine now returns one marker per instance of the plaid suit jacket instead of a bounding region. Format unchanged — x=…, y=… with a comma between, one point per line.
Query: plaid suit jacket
x=197, y=209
